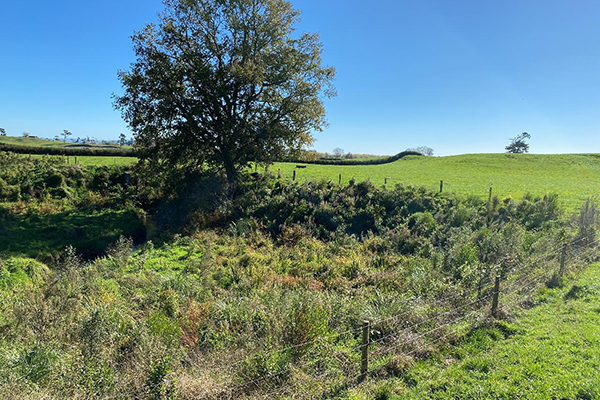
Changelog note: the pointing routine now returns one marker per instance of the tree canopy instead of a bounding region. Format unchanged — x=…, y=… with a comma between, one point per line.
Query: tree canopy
x=221, y=83
x=518, y=145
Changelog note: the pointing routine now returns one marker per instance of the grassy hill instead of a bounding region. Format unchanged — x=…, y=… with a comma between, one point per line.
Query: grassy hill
x=264, y=295
x=550, y=352
x=574, y=177
x=38, y=142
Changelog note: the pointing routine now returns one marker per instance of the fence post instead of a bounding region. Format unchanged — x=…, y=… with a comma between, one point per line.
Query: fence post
x=385, y=181
x=75, y=160
x=441, y=186
x=490, y=197
x=563, y=258
x=294, y=176
x=364, y=358
x=340, y=180
x=495, y=297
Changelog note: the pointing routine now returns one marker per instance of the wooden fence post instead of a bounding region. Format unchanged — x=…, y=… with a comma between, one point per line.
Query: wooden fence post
x=364, y=358
x=490, y=197
x=294, y=176
x=75, y=160
x=385, y=181
x=563, y=258
x=441, y=186
x=340, y=180
x=495, y=297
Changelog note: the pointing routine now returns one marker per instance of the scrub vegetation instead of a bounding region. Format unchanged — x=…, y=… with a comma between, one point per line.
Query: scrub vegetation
x=112, y=288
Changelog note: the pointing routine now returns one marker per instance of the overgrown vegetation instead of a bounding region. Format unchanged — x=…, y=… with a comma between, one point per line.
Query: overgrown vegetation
x=268, y=285
x=46, y=205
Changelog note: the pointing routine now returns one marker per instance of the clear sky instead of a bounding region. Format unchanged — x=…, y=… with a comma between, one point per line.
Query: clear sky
x=459, y=76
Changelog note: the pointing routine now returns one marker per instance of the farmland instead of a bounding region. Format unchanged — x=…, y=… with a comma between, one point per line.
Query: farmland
x=574, y=177
x=130, y=293
x=39, y=142
x=549, y=352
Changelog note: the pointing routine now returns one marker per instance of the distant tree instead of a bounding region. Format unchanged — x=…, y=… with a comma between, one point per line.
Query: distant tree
x=65, y=134
x=426, y=151
x=25, y=134
x=219, y=84
x=56, y=138
x=518, y=145
x=122, y=139
x=2, y=132
x=338, y=153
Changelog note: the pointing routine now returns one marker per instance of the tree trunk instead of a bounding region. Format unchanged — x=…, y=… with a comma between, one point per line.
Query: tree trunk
x=231, y=171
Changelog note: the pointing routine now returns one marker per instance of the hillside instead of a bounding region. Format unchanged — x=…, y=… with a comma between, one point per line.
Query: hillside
x=38, y=142
x=549, y=352
x=574, y=177
x=108, y=289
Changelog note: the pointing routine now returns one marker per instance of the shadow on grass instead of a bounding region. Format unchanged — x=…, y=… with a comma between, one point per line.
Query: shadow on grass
x=44, y=236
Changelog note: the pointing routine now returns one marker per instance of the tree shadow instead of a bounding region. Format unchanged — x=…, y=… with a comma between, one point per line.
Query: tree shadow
x=90, y=232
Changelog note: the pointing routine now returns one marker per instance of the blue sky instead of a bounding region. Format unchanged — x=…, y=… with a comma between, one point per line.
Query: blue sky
x=459, y=76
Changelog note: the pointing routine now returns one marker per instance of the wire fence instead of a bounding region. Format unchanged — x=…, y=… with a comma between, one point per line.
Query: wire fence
x=448, y=318
x=414, y=339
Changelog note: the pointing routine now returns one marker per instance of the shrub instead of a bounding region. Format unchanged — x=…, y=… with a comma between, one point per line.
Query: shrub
x=157, y=386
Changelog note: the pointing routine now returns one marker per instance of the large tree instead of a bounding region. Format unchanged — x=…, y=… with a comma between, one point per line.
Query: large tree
x=221, y=83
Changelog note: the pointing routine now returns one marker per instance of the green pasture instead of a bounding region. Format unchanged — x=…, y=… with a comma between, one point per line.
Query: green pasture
x=38, y=142
x=95, y=161
x=549, y=352
x=574, y=177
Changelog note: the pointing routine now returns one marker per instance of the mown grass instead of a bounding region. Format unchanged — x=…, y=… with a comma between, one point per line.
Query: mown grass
x=549, y=352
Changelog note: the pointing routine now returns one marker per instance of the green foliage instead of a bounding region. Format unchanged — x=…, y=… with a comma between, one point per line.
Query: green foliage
x=95, y=379
x=518, y=145
x=267, y=83
x=21, y=272
x=359, y=161
x=158, y=387
x=36, y=364
x=273, y=364
x=274, y=280
x=306, y=324
x=66, y=151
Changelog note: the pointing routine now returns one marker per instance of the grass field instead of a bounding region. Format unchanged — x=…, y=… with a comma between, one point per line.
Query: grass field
x=573, y=177
x=93, y=160
x=29, y=141
x=550, y=352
